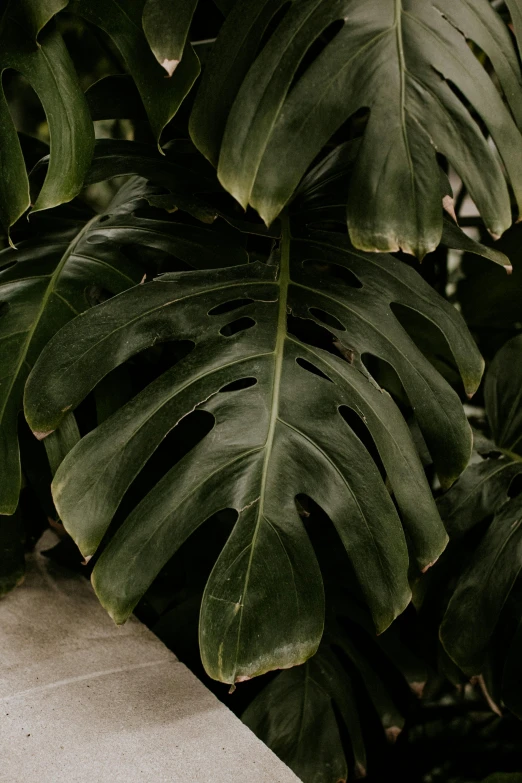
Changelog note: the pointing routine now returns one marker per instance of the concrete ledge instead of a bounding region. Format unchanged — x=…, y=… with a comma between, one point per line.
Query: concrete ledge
x=82, y=701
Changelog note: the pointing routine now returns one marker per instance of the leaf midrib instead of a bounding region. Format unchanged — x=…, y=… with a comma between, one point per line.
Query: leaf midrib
x=284, y=282
x=48, y=293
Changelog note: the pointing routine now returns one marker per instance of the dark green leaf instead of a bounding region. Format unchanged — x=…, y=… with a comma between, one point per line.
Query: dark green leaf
x=482, y=590
x=161, y=97
x=322, y=195
x=46, y=282
x=479, y=492
x=454, y=237
x=272, y=440
x=294, y=715
x=45, y=65
x=42, y=286
x=503, y=393
x=33, y=15
x=61, y=441
x=398, y=59
x=166, y=24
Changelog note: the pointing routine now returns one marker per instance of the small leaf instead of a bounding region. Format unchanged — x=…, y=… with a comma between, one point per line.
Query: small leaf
x=166, y=24
x=161, y=97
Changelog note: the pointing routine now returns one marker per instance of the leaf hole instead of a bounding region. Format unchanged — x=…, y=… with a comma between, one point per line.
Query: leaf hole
x=239, y=325
x=335, y=565
x=104, y=218
x=336, y=271
x=324, y=38
x=356, y=423
x=181, y=439
x=312, y=368
x=151, y=362
x=273, y=25
x=386, y=376
x=326, y=318
x=228, y=307
x=311, y=333
x=429, y=340
x=515, y=488
x=241, y=383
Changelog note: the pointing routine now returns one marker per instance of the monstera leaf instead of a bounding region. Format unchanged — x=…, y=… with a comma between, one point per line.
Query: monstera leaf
x=44, y=284
x=503, y=393
x=40, y=55
x=487, y=491
x=280, y=407
x=270, y=101
x=161, y=96
x=47, y=281
x=300, y=713
x=45, y=64
x=295, y=716
x=321, y=201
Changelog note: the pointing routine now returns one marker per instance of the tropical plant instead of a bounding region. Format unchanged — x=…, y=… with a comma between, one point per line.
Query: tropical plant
x=217, y=324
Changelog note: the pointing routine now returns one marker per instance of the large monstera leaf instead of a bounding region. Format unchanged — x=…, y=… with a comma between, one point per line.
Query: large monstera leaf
x=486, y=598
x=43, y=284
x=262, y=115
x=279, y=406
x=49, y=279
x=46, y=65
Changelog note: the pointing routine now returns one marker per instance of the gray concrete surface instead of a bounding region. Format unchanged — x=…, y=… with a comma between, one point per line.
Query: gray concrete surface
x=84, y=701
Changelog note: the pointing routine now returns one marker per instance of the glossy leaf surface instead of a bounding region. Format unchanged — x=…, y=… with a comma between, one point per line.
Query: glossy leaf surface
x=488, y=490
x=43, y=285
x=295, y=716
x=45, y=64
x=279, y=434
x=483, y=589
x=256, y=108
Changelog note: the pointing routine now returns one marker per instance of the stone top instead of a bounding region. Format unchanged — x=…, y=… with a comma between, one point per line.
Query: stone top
x=83, y=701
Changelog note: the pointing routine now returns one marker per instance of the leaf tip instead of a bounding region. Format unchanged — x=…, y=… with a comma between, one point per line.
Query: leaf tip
x=392, y=732
x=40, y=434
x=170, y=66
x=448, y=204
x=417, y=688
x=427, y=567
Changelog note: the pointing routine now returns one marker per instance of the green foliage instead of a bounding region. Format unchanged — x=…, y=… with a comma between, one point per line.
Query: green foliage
x=280, y=436
x=396, y=58
x=253, y=415
x=487, y=591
